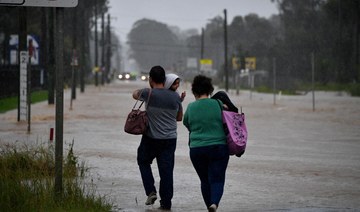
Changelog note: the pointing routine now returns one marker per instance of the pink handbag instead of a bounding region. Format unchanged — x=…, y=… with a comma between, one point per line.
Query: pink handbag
x=237, y=132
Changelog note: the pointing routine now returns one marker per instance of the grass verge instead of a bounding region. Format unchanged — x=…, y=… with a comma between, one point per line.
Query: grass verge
x=11, y=103
x=27, y=182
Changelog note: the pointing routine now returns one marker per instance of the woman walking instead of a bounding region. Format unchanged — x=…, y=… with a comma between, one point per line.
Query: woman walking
x=208, y=149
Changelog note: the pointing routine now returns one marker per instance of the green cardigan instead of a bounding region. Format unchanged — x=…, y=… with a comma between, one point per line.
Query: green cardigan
x=204, y=122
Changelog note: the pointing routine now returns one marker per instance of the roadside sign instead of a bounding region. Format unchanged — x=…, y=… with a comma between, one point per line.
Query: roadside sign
x=39, y=3
x=206, y=64
x=235, y=63
x=250, y=63
x=191, y=62
x=33, y=44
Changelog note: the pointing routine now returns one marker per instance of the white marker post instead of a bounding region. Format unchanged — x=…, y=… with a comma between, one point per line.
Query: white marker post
x=23, y=85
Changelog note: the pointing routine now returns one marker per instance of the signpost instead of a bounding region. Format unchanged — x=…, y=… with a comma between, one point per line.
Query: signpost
x=74, y=63
x=236, y=69
x=250, y=64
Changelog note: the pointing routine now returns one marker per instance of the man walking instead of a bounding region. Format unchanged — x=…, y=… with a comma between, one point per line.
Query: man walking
x=164, y=109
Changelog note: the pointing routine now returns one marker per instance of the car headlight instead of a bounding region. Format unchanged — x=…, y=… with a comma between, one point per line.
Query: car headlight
x=143, y=77
x=127, y=76
x=120, y=76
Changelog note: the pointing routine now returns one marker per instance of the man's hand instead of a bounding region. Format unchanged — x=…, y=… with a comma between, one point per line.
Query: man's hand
x=182, y=96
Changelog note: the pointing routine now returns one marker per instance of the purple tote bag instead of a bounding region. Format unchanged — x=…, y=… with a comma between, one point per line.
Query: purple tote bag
x=237, y=132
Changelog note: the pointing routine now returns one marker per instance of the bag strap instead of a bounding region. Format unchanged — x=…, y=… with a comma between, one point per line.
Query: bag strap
x=219, y=102
x=148, y=99
x=142, y=102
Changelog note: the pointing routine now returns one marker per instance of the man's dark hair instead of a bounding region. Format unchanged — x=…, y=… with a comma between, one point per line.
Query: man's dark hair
x=157, y=74
x=202, y=85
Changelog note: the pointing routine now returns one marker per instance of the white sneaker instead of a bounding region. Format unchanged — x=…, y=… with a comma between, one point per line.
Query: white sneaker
x=151, y=199
x=212, y=208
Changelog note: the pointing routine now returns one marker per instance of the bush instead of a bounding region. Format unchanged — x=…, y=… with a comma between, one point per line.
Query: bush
x=355, y=89
x=27, y=182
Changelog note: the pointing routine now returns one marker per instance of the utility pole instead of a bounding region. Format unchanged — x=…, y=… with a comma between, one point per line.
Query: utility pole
x=83, y=44
x=44, y=38
x=96, y=48
x=74, y=56
x=274, y=79
x=51, y=58
x=102, y=47
x=108, y=50
x=202, y=43
x=225, y=51
x=313, y=78
x=59, y=112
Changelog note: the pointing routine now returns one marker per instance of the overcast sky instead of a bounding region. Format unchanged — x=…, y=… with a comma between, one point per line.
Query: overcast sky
x=182, y=13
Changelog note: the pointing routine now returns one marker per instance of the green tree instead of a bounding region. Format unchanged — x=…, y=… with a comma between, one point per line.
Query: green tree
x=345, y=27
x=153, y=43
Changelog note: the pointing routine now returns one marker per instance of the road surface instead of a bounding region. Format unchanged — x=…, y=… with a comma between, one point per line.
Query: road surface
x=296, y=159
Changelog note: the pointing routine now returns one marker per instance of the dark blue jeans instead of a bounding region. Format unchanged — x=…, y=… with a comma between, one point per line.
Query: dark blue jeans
x=210, y=163
x=164, y=151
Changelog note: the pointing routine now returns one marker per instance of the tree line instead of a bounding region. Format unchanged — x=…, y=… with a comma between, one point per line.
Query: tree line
x=329, y=29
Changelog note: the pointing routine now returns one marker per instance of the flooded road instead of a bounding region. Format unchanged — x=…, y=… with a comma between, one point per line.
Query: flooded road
x=296, y=159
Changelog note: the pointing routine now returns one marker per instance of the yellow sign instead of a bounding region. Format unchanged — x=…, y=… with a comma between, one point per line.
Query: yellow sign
x=206, y=62
x=96, y=69
x=235, y=63
x=250, y=63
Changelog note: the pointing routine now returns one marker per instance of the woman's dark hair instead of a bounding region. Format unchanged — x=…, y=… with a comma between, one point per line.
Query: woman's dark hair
x=202, y=85
x=157, y=74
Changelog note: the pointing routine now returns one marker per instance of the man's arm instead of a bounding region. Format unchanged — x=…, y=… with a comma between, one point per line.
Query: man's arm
x=179, y=115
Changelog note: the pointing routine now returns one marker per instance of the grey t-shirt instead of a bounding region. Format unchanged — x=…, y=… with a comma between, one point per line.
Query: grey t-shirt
x=162, y=109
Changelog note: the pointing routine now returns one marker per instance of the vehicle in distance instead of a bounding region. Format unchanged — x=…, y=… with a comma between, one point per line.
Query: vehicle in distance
x=144, y=76
x=127, y=76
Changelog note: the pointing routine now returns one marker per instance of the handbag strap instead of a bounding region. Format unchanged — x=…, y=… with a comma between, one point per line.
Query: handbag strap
x=148, y=98
x=221, y=108
x=142, y=102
